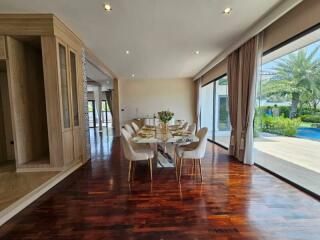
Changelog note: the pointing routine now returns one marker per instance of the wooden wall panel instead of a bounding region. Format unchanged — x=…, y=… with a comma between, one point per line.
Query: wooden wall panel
x=3, y=148
x=68, y=151
x=37, y=103
x=17, y=86
x=26, y=24
x=28, y=102
x=49, y=58
x=7, y=116
x=3, y=54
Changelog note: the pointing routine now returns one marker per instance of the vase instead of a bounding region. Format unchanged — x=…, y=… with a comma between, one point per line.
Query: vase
x=164, y=128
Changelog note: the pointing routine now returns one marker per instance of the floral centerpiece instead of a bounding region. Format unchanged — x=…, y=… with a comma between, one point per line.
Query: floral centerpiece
x=165, y=117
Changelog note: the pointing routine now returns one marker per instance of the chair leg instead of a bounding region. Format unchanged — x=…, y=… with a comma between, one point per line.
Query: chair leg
x=200, y=169
x=129, y=172
x=150, y=165
x=133, y=169
x=177, y=166
x=194, y=167
x=180, y=163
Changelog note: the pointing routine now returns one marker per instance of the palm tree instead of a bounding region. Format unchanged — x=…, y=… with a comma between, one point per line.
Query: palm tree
x=294, y=75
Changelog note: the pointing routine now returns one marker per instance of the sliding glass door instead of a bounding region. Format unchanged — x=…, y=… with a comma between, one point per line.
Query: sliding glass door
x=106, y=114
x=222, y=126
x=287, y=120
x=215, y=110
x=207, y=109
x=92, y=113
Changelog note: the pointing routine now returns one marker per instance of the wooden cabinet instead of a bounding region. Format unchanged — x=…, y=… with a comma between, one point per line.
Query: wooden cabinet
x=28, y=102
x=68, y=60
x=45, y=79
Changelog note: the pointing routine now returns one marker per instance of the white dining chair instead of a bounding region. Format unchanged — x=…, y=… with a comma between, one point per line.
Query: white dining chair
x=134, y=154
x=135, y=127
x=192, y=128
x=193, y=151
x=129, y=129
x=185, y=126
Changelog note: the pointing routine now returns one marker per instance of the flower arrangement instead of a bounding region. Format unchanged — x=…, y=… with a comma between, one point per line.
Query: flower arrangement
x=165, y=116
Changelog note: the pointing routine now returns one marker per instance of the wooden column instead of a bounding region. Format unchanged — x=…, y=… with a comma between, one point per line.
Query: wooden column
x=116, y=107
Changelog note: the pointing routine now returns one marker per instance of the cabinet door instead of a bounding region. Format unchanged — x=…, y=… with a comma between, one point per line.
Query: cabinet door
x=73, y=57
x=65, y=99
x=64, y=86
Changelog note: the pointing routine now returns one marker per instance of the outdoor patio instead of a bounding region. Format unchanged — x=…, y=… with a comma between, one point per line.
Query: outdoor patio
x=302, y=152
x=295, y=159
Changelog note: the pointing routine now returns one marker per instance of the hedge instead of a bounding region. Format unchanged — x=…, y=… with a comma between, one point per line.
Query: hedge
x=310, y=118
x=285, y=111
x=280, y=125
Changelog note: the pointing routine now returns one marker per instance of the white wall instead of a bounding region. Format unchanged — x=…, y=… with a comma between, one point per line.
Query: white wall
x=143, y=98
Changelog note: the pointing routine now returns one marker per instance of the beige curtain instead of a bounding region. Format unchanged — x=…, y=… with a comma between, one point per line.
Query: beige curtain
x=248, y=59
x=198, y=99
x=243, y=74
x=109, y=100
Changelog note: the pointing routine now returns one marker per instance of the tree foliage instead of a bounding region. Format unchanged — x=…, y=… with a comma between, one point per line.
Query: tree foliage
x=296, y=77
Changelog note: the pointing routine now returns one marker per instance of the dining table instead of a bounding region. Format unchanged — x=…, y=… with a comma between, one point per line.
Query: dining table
x=164, y=141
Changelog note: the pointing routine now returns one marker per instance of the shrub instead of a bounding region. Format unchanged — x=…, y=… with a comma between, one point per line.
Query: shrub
x=310, y=118
x=315, y=125
x=280, y=125
x=307, y=111
x=283, y=110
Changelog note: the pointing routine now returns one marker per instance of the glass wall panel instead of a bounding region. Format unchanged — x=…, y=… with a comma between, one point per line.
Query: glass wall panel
x=73, y=68
x=91, y=113
x=206, y=116
x=215, y=111
x=222, y=126
x=287, y=120
x=64, y=86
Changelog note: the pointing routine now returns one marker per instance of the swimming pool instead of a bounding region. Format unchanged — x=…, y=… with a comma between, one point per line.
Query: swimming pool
x=311, y=133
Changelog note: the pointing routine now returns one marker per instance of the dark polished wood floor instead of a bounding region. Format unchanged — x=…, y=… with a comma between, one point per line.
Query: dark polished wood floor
x=233, y=202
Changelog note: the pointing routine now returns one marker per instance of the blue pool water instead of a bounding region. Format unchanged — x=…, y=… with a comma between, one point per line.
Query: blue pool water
x=311, y=133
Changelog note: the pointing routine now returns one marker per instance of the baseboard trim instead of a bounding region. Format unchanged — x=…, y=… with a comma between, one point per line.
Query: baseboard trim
x=42, y=169
x=9, y=212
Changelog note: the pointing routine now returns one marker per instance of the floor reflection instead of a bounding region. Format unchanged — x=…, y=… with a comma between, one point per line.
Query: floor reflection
x=101, y=142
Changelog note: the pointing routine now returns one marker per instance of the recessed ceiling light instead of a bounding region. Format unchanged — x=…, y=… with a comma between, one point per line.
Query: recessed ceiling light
x=227, y=10
x=107, y=7
x=132, y=75
x=127, y=52
x=197, y=52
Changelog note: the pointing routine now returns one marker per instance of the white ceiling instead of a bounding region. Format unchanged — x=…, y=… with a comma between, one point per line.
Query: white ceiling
x=162, y=35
